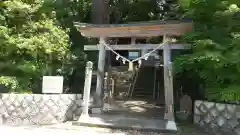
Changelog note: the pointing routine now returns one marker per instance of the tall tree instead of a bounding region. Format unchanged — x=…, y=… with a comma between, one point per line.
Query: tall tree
x=33, y=43
x=215, y=40
x=99, y=11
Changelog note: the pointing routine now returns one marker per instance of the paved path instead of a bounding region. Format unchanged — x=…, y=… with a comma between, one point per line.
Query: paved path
x=69, y=129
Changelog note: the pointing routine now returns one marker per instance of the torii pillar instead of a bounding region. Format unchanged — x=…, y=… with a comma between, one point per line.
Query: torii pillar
x=100, y=72
x=168, y=86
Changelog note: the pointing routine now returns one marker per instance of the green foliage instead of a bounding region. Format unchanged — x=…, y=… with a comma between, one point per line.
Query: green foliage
x=215, y=46
x=231, y=93
x=10, y=83
x=33, y=43
x=37, y=38
x=124, y=11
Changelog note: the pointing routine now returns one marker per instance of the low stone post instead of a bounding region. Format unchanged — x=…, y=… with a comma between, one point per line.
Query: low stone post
x=86, y=94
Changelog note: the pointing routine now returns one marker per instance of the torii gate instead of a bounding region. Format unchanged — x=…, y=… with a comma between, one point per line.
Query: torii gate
x=138, y=30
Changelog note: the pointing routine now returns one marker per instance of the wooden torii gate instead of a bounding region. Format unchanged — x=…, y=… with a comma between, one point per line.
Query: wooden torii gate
x=167, y=29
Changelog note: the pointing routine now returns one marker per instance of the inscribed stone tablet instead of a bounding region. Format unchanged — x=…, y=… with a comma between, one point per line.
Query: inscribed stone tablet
x=186, y=104
x=185, y=107
x=52, y=84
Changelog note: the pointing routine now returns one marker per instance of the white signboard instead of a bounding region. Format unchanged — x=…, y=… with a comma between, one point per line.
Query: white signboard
x=133, y=55
x=52, y=84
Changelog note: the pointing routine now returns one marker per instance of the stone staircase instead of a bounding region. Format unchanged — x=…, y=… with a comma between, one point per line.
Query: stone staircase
x=142, y=92
x=144, y=78
x=144, y=86
x=123, y=79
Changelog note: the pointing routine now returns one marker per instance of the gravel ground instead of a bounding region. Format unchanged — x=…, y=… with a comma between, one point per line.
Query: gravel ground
x=63, y=129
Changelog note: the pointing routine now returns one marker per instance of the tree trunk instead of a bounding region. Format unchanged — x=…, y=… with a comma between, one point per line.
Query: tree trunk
x=100, y=13
x=100, y=16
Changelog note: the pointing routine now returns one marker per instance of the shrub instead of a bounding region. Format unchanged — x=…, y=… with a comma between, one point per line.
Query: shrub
x=228, y=94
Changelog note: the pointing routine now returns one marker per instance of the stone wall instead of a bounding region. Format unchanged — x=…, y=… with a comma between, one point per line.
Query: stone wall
x=217, y=118
x=38, y=109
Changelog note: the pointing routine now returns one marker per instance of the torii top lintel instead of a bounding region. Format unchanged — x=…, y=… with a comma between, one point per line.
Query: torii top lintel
x=140, y=29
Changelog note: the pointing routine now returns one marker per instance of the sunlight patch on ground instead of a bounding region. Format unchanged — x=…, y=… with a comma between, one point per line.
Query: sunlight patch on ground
x=137, y=109
x=136, y=106
x=135, y=103
x=142, y=104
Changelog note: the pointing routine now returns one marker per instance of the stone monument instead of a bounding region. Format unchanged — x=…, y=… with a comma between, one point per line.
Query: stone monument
x=185, y=107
